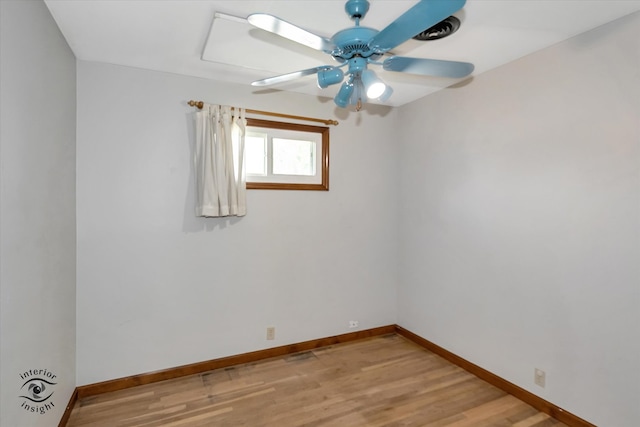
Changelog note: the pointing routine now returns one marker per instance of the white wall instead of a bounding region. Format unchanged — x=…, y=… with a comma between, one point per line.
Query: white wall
x=37, y=211
x=520, y=243
x=158, y=287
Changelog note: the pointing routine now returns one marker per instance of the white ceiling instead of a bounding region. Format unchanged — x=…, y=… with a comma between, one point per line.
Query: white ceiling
x=173, y=35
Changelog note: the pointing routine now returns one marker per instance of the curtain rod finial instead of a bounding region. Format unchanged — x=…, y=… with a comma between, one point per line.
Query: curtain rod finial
x=198, y=104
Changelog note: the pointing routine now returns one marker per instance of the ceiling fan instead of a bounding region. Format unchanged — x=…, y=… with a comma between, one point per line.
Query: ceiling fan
x=356, y=47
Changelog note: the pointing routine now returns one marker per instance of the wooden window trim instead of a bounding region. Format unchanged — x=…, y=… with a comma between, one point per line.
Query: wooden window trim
x=324, y=131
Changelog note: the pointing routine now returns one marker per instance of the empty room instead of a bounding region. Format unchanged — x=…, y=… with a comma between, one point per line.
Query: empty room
x=209, y=217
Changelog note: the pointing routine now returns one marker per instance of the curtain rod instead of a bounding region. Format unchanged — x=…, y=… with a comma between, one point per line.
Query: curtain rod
x=200, y=105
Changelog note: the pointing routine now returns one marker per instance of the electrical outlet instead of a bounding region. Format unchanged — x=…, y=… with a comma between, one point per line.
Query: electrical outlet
x=271, y=333
x=353, y=324
x=540, y=378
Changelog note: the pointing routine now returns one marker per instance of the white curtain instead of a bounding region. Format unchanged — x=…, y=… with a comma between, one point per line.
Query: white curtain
x=219, y=161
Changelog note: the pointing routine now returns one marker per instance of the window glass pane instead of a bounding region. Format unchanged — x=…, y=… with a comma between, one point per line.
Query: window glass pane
x=294, y=157
x=256, y=154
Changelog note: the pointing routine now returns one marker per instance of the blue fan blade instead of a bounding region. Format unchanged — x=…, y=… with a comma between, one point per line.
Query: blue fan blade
x=289, y=76
x=428, y=67
x=423, y=15
x=289, y=31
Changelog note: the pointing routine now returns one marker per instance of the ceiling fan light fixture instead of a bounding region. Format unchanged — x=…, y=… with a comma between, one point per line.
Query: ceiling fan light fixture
x=375, y=87
x=330, y=77
x=344, y=94
x=386, y=94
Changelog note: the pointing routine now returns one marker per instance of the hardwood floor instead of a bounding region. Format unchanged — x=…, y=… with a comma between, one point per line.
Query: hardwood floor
x=380, y=381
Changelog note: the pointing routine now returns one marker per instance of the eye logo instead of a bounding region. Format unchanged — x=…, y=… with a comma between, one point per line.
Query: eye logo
x=35, y=390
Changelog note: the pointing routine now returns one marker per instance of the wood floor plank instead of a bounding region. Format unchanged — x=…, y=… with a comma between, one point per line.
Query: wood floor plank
x=382, y=381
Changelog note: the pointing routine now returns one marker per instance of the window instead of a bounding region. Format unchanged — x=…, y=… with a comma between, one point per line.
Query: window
x=286, y=156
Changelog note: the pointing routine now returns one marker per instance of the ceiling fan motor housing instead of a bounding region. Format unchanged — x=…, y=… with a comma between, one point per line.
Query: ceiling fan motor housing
x=353, y=41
